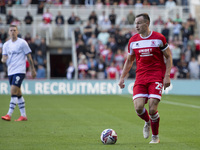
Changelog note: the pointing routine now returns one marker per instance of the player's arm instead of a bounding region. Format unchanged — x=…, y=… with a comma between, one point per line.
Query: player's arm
x=30, y=60
x=4, y=58
x=127, y=66
x=168, y=57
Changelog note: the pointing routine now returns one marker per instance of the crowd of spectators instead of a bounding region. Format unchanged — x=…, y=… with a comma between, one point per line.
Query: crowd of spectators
x=101, y=41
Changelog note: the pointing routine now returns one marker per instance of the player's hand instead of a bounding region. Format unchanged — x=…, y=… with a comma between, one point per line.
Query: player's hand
x=166, y=82
x=33, y=73
x=121, y=83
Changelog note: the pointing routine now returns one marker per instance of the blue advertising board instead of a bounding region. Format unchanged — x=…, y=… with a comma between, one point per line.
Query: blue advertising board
x=99, y=87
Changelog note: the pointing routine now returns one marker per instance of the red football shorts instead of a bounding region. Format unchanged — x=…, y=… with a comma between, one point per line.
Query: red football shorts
x=149, y=90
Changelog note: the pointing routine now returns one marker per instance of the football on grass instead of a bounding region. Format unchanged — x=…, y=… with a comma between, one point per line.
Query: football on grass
x=108, y=136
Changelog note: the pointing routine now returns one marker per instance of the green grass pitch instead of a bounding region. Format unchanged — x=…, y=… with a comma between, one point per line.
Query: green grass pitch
x=67, y=122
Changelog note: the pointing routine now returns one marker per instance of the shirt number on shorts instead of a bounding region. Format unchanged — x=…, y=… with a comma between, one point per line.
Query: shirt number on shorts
x=159, y=86
x=17, y=79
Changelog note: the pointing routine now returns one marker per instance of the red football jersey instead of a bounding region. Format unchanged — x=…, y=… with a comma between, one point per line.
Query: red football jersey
x=149, y=57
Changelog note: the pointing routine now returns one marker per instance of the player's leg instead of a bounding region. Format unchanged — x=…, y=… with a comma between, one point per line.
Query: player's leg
x=13, y=100
x=143, y=114
x=21, y=102
x=21, y=105
x=154, y=118
x=139, y=98
x=155, y=93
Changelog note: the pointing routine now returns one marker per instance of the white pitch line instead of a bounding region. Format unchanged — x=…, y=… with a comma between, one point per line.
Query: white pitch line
x=171, y=103
x=180, y=104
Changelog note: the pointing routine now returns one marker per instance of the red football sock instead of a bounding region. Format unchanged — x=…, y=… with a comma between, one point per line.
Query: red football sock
x=155, y=118
x=144, y=115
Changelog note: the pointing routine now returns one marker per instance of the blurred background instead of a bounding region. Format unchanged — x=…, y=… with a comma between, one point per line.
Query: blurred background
x=87, y=39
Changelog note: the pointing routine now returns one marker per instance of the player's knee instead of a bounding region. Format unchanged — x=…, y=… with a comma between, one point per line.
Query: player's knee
x=152, y=111
x=139, y=110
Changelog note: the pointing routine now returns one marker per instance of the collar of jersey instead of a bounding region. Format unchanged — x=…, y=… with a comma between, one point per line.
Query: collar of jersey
x=147, y=36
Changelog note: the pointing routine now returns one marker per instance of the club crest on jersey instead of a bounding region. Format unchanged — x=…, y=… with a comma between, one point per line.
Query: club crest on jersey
x=153, y=43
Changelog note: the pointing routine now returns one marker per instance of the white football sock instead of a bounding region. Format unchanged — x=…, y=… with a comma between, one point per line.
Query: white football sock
x=13, y=102
x=21, y=105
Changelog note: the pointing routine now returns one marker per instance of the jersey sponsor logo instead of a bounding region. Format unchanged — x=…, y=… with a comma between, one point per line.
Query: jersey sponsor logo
x=145, y=52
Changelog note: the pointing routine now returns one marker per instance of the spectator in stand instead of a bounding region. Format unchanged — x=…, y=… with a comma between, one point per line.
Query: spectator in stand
x=41, y=72
x=130, y=17
x=138, y=4
x=158, y=21
x=60, y=19
x=9, y=17
x=2, y=69
x=28, y=37
x=91, y=52
x=112, y=72
x=113, y=17
x=174, y=72
x=105, y=24
x=102, y=18
x=88, y=30
x=92, y=40
x=194, y=68
x=170, y=23
x=47, y=16
x=192, y=23
x=130, y=2
x=186, y=32
x=37, y=40
x=40, y=8
x=89, y=2
x=39, y=59
x=28, y=18
x=170, y=4
x=176, y=31
x=103, y=37
x=197, y=43
x=119, y=58
x=10, y=3
x=80, y=47
x=43, y=47
x=120, y=39
x=191, y=43
x=32, y=46
x=188, y=54
x=70, y=71
x=146, y=3
x=112, y=44
x=122, y=3
x=93, y=17
x=92, y=68
x=72, y=19
x=178, y=19
x=161, y=3
x=109, y=57
x=83, y=69
x=101, y=69
x=16, y=22
x=3, y=35
x=183, y=72
x=165, y=31
x=123, y=22
x=2, y=7
x=99, y=4
x=176, y=54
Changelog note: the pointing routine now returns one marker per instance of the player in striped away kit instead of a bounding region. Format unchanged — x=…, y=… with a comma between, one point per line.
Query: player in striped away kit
x=152, y=73
x=14, y=54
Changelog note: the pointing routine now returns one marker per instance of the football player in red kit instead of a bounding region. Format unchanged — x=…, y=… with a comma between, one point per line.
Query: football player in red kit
x=152, y=74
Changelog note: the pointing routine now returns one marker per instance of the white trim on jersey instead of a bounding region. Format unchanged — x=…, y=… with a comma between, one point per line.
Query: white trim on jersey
x=147, y=36
x=154, y=96
x=140, y=95
x=146, y=44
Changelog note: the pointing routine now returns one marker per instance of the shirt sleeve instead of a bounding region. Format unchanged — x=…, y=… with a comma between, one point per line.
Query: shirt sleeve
x=164, y=45
x=4, y=50
x=130, y=49
x=26, y=48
